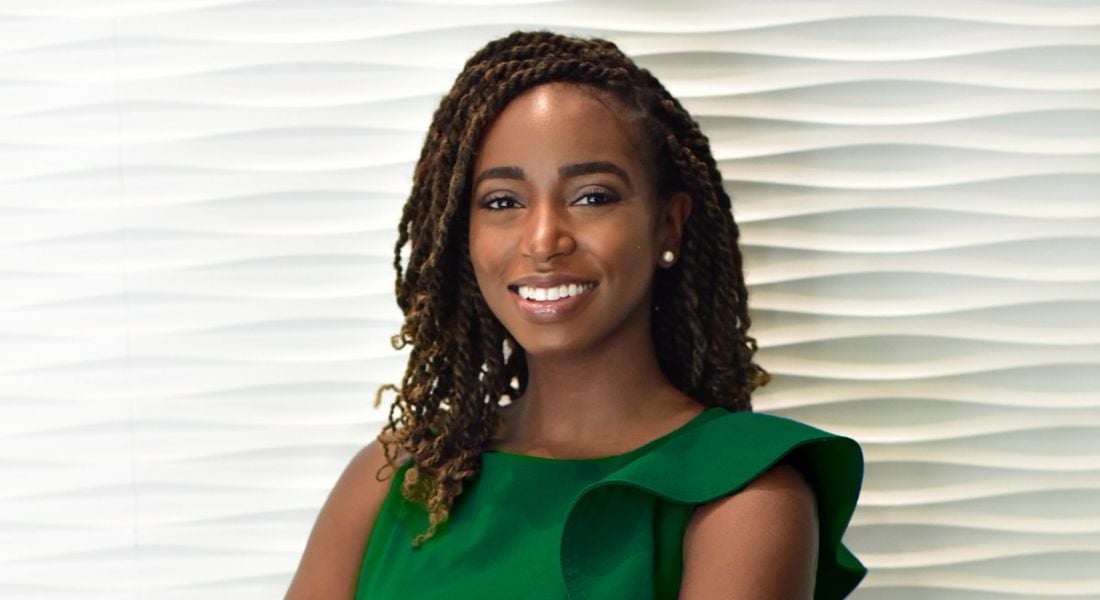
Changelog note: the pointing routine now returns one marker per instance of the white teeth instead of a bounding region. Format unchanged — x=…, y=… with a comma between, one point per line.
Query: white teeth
x=555, y=293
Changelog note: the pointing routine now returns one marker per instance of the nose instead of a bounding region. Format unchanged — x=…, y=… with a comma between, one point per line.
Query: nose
x=547, y=232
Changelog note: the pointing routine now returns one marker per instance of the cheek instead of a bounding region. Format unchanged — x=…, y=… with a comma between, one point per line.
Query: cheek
x=627, y=255
x=484, y=258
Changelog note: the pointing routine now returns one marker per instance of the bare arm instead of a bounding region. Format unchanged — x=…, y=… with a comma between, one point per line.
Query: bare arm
x=758, y=544
x=329, y=568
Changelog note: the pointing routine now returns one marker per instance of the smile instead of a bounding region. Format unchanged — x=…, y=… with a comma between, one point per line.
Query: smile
x=552, y=294
x=552, y=304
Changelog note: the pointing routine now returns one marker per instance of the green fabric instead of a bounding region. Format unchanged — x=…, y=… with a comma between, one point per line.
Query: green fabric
x=604, y=528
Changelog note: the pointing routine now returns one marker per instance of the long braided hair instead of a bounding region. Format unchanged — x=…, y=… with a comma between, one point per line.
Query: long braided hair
x=463, y=362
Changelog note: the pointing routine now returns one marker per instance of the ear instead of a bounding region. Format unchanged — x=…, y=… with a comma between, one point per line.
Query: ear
x=676, y=212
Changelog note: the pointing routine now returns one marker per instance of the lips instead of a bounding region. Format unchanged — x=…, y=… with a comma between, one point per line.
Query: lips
x=551, y=311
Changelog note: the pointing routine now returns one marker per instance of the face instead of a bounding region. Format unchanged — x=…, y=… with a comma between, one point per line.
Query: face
x=565, y=228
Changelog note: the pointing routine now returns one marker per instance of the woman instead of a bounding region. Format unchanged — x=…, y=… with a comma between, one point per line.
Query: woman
x=575, y=418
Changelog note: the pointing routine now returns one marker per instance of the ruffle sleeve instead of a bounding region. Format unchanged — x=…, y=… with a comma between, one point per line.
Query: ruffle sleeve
x=603, y=547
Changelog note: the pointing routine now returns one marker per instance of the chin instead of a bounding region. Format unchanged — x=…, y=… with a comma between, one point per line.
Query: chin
x=547, y=345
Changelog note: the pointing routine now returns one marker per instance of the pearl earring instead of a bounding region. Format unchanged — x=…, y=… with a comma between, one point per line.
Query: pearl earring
x=668, y=256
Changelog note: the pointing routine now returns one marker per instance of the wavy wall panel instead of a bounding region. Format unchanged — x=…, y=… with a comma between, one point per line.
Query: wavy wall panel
x=198, y=201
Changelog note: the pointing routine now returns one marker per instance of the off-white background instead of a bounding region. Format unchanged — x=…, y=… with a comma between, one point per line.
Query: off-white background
x=198, y=202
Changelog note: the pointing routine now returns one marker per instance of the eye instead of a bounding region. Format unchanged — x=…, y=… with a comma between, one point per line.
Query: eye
x=598, y=197
x=493, y=202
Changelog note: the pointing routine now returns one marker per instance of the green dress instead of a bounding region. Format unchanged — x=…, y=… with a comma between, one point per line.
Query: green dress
x=606, y=528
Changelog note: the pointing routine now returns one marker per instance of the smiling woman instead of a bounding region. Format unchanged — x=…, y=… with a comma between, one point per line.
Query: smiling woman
x=576, y=208
x=575, y=419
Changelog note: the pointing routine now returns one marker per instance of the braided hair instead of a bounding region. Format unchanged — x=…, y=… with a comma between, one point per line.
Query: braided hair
x=463, y=362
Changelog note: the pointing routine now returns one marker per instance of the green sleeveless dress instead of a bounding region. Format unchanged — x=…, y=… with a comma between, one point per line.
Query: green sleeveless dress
x=606, y=528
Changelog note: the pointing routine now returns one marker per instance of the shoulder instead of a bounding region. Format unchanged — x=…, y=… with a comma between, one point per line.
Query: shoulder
x=760, y=542
x=330, y=563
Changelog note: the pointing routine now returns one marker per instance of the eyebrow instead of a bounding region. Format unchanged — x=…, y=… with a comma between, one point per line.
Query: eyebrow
x=566, y=171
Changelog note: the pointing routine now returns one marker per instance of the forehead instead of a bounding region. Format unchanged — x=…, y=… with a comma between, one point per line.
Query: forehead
x=561, y=121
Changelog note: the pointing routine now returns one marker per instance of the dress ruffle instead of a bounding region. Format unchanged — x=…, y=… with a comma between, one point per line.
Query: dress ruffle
x=604, y=543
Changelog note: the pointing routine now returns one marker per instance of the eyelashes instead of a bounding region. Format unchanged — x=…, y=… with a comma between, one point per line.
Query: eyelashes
x=605, y=197
x=591, y=198
x=496, y=199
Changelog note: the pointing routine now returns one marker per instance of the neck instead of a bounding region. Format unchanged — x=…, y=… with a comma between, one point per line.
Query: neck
x=598, y=397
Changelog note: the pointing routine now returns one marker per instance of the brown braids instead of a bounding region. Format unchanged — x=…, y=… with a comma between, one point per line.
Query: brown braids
x=462, y=360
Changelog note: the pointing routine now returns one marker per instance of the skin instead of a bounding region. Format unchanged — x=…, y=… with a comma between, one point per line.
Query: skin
x=595, y=387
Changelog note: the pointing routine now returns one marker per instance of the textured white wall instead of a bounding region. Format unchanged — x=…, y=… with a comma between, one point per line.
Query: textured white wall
x=199, y=198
